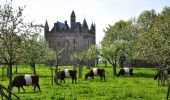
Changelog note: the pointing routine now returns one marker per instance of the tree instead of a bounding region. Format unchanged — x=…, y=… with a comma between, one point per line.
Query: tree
x=146, y=20
x=36, y=50
x=153, y=44
x=79, y=59
x=57, y=58
x=113, y=52
x=82, y=58
x=12, y=32
x=163, y=27
x=92, y=55
x=113, y=48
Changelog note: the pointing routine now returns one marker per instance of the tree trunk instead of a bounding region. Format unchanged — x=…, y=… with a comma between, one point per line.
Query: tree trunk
x=80, y=71
x=97, y=62
x=52, y=75
x=121, y=61
x=56, y=75
x=74, y=67
x=114, y=69
x=3, y=72
x=16, y=68
x=105, y=64
x=8, y=72
x=33, y=67
x=10, y=80
x=121, y=64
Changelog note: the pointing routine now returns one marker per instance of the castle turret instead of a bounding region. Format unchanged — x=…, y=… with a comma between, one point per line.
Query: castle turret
x=73, y=20
x=85, y=26
x=92, y=28
x=46, y=28
x=66, y=25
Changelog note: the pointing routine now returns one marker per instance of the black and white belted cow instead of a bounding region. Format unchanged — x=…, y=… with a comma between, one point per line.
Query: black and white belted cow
x=162, y=75
x=67, y=73
x=123, y=71
x=26, y=80
x=96, y=72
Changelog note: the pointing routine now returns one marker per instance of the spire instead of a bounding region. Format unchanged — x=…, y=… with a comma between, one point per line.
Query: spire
x=73, y=14
x=46, y=24
x=85, y=24
x=72, y=20
x=46, y=28
x=91, y=28
x=94, y=27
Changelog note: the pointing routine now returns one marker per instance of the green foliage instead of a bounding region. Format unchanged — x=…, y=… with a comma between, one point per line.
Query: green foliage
x=148, y=37
x=92, y=52
x=82, y=57
x=118, y=43
x=153, y=43
x=120, y=30
x=146, y=20
x=36, y=49
x=11, y=33
x=140, y=87
x=151, y=47
x=78, y=57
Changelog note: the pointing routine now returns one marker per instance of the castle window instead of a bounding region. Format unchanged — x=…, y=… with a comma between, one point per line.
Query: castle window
x=74, y=41
x=74, y=48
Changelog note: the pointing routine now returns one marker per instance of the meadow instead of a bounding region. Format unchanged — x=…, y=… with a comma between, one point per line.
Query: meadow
x=141, y=86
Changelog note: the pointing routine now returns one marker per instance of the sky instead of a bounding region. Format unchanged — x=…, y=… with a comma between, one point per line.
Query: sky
x=100, y=12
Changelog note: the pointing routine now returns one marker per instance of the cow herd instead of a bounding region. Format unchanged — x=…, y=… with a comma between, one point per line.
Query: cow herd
x=33, y=80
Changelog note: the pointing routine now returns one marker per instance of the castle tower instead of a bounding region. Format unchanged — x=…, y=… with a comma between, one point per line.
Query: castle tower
x=72, y=19
x=46, y=28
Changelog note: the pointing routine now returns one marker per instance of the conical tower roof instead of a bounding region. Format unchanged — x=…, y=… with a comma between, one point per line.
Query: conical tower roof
x=73, y=14
x=46, y=24
x=85, y=24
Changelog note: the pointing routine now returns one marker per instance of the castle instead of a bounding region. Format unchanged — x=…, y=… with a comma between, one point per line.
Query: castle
x=76, y=38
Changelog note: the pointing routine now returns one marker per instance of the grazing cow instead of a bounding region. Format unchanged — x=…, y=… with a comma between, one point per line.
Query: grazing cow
x=26, y=80
x=162, y=75
x=123, y=71
x=66, y=73
x=96, y=72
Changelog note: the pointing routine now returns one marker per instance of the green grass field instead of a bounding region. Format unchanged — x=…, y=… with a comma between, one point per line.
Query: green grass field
x=140, y=87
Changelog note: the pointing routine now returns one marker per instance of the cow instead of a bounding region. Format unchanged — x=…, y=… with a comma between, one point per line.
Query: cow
x=67, y=73
x=96, y=72
x=26, y=80
x=162, y=75
x=123, y=71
